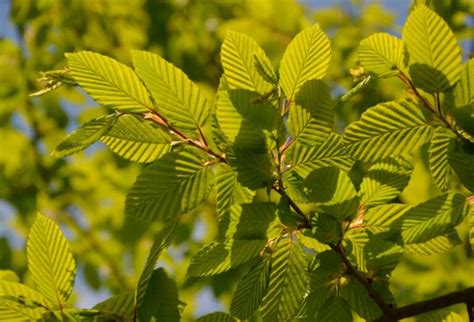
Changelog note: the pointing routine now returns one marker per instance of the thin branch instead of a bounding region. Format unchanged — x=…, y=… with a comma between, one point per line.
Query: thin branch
x=365, y=283
x=306, y=223
x=452, y=126
x=457, y=297
x=157, y=118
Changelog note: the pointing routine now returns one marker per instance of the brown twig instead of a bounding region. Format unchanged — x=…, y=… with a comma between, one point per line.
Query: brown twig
x=457, y=297
x=450, y=125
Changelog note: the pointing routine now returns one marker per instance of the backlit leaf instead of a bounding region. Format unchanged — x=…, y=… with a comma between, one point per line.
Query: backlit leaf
x=306, y=57
x=310, y=120
x=109, y=82
x=136, y=139
x=435, y=55
x=50, y=261
x=387, y=130
x=173, y=185
x=238, y=62
x=382, y=54
x=176, y=97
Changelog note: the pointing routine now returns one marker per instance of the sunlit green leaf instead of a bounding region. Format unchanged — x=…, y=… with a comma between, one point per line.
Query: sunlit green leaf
x=306, y=57
x=222, y=255
x=50, y=261
x=176, y=97
x=251, y=290
x=438, y=159
x=333, y=191
x=238, y=62
x=288, y=281
x=303, y=159
x=84, y=136
x=136, y=139
x=173, y=185
x=109, y=82
x=310, y=120
x=432, y=218
x=382, y=54
x=244, y=121
x=387, y=130
x=118, y=306
x=435, y=55
x=384, y=181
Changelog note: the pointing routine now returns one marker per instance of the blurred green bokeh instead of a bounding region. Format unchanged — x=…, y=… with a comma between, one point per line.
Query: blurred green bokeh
x=85, y=193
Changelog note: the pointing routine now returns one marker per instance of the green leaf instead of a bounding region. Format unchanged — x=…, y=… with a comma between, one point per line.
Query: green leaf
x=109, y=82
x=359, y=300
x=335, y=309
x=249, y=221
x=20, y=293
x=161, y=300
x=326, y=228
x=238, y=62
x=222, y=255
x=288, y=281
x=303, y=159
x=173, y=185
x=387, y=130
x=50, y=261
x=311, y=120
x=217, y=317
x=13, y=311
x=118, y=306
x=8, y=276
x=382, y=54
x=229, y=191
x=381, y=256
x=84, y=136
x=380, y=218
x=161, y=241
x=435, y=55
x=306, y=57
x=245, y=122
x=461, y=159
x=176, y=97
x=136, y=139
x=432, y=218
x=438, y=158
x=384, y=181
x=437, y=245
x=251, y=290
x=471, y=223
x=464, y=90
x=254, y=170
x=333, y=191
x=358, y=87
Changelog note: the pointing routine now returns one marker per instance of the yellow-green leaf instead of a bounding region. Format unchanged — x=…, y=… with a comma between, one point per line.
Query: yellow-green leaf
x=50, y=261
x=136, y=139
x=307, y=57
x=109, y=82
x=238, y=62
x=176, y=96
x=382, y=54
x=434, y=53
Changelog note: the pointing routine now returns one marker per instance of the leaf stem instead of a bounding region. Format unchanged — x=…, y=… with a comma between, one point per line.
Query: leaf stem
x=450, y=125
x=202, y=144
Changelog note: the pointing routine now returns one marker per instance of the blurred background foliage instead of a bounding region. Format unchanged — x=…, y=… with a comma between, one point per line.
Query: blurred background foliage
x=85, y=193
